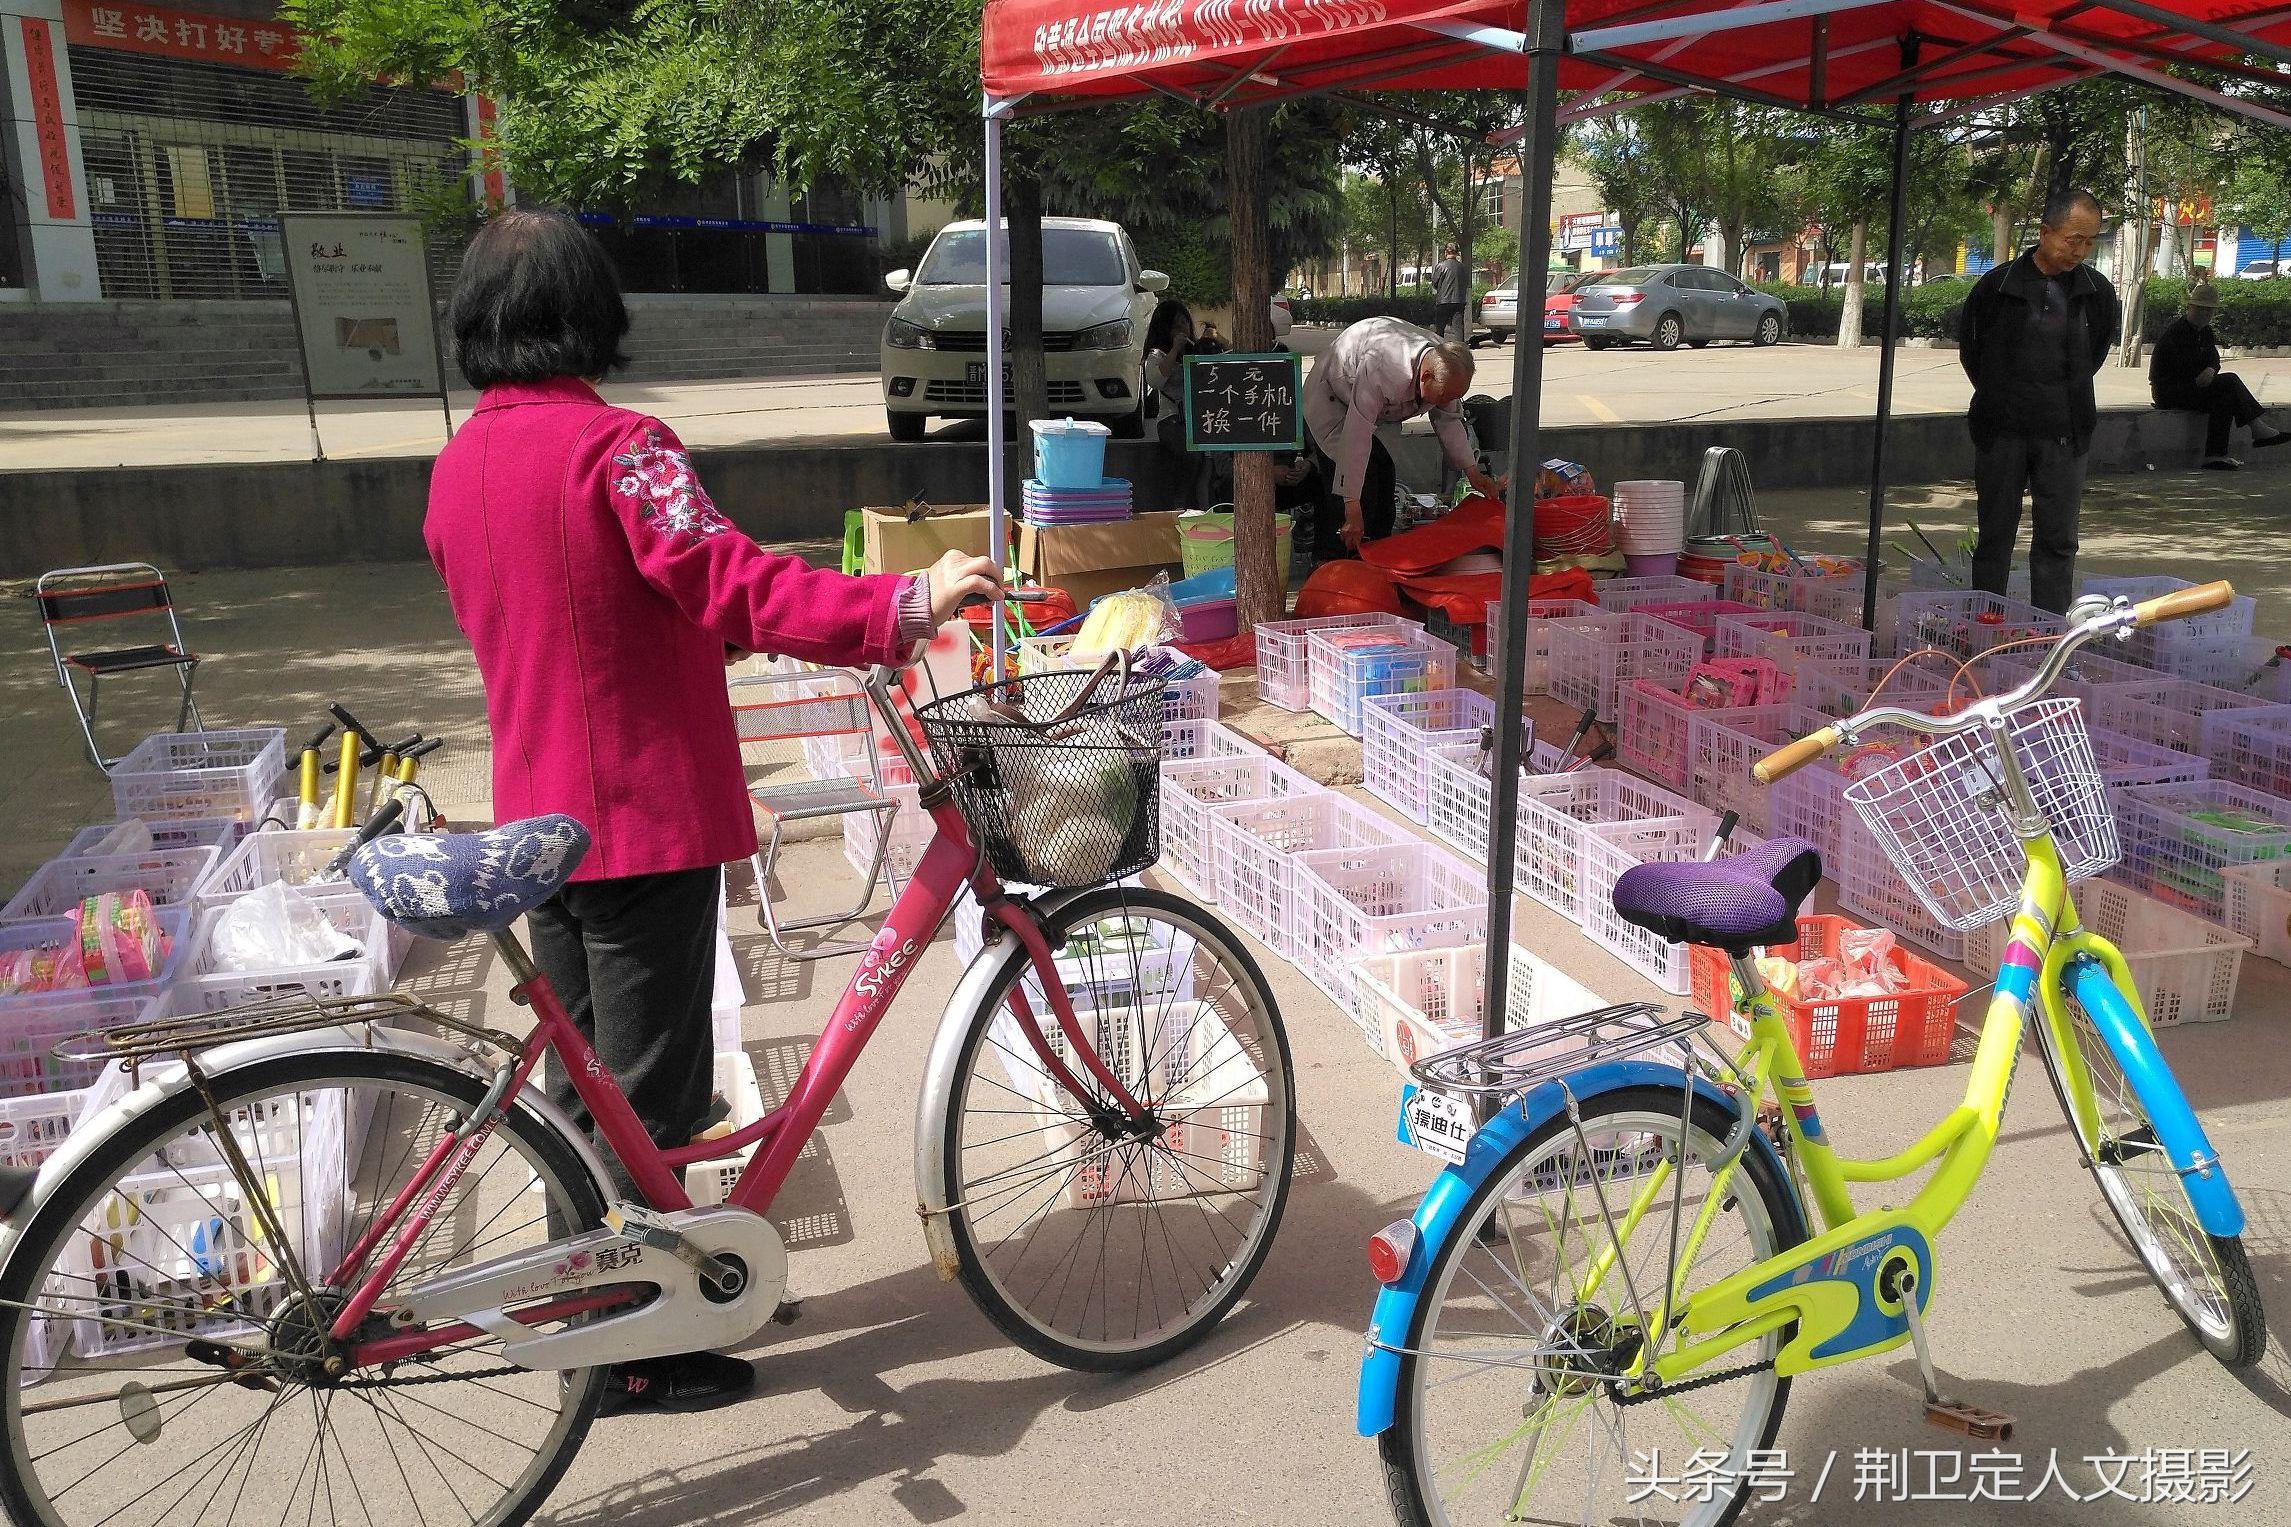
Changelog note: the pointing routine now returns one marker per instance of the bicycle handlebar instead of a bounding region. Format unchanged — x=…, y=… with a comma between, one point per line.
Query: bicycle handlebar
x=2102, y=617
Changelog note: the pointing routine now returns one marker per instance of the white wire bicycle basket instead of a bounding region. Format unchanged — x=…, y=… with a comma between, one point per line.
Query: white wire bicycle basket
x=1942, y=816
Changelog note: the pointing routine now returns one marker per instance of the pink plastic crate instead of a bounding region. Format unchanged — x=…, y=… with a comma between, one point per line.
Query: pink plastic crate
x=2166, y=711
x=1189, y=790
x=2193, y=646
x=1592, y=656
x=1721, y=747
x=2180, y=839
x=2257, y=665
x=1653, y=736
x=1967, y=624
x=170, y=877
x=1701, y=616
x=1540, y=614
x=1380, y=900
x=1284, y=673
x=1558, y=814
x=1832, y=596
x=1626, y=594
x=2087, y=674
x=1786, y=637
x=1349, y=667
x=1256, y=844
x=2250, y=747
x=1838, y=688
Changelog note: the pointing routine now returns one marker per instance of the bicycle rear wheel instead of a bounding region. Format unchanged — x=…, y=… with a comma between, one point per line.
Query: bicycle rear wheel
x=2205, y=1278
x=161, y=1364
x=1093, y=1244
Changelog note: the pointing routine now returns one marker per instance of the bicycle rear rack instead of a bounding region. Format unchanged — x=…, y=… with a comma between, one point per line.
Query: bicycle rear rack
x=1518, y=1062
x=187, y=1034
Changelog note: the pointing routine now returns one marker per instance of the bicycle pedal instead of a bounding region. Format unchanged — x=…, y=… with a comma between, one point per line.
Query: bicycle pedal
x=1971, y=1420
x=641, y=1226
x=789, y=1312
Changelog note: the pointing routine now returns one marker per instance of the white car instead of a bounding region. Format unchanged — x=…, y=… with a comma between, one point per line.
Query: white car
x=1096, y=300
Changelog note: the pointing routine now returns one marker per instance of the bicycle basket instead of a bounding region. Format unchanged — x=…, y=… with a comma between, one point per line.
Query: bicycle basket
x=1941, y=816
x=1058, y=774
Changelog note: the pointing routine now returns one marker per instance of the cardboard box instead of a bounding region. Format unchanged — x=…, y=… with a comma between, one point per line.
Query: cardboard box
x=891, y=543
x=1089, y=560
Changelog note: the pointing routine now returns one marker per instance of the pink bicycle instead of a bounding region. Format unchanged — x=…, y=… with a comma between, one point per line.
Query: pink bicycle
x=341, y=1260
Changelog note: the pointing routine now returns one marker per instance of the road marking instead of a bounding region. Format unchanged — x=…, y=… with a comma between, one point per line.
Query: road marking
x=1604, y=414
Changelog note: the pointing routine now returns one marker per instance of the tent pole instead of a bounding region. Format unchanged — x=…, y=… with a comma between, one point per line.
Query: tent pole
x=997, y=449
x=1888, y=334
x=1546, y=36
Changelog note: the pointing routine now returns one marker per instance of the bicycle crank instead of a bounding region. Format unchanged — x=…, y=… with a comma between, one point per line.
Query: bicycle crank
x=1975, y=1421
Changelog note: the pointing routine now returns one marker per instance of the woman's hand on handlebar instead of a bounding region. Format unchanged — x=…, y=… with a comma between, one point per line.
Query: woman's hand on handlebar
x=959, y=578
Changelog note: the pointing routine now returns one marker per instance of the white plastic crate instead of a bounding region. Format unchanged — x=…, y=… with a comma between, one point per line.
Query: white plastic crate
x=727, y=993
x=2186, y=969
x=1832, y=596
x=2128, y=761
x=2259, y=666
x=2250, y=747
x=2179, y=839
x=1558, y=813
x=1398, y=733
x=2166, y=711
x=273, y=854
x=1191, y=698
x=1967, y=624
x=174, y=925
x=1606, y=852
x=202, y=985
x=1786, y=637
x=711, y=1182
x=1202, y=738
x=1811, y=804
x=2088, y=673
x=1284, y=668
x=1349, y=667
x=200, y=776
x=1623, y=595
x=1870, y=885
x=1592, y=656
x=910, y=833
x=29, y=1065
x=1426, y=1001
x=1381, y=899
x=2258, y=905
x=1255, y=845
x=1838, y=689
x=1653, y=737
x=1540, y=614
x=1188, y=791
x=170, y=877
x=1723, y=745
x=218, y=833
x=32, y=1127
x=2197, y=640
x=1955, y=576
x=1460, y=792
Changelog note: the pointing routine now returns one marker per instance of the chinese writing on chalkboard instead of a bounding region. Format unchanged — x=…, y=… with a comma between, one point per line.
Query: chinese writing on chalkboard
x=1243, y=403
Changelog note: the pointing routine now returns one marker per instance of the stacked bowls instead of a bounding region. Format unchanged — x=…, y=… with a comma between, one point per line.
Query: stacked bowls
x=1650, y=525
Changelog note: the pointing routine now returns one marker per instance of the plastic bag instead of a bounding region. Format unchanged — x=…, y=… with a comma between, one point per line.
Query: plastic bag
x=132, y=836
x=276, y=927
x=1127, y=621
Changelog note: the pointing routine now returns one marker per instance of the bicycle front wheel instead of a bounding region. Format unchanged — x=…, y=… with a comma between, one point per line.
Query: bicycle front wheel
x=1095, y=1241
x=162, y=1316
x=2205, y=1278
x=1531, y=1310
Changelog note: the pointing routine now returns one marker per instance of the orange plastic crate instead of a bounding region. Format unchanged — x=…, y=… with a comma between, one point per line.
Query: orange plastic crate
x=1916, y=1027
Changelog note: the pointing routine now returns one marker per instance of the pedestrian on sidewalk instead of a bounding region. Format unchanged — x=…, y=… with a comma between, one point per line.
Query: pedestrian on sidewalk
x=1449, y=289
x=602, y=592
x=2032, y=334
x=2184, y=374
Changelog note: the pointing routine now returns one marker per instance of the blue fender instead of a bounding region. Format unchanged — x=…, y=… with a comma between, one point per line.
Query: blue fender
x=2177, y=1129
x=1437, y=1216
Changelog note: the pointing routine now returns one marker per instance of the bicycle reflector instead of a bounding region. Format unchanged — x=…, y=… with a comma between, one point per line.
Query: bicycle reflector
x=1389, y=1250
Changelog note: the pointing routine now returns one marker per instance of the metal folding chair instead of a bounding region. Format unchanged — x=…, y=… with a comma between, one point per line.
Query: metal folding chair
x=76, y=596
x=828, y=714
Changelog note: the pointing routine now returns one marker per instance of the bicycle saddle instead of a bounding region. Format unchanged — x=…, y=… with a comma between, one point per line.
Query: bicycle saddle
x=1731, y=904
x=443, y=885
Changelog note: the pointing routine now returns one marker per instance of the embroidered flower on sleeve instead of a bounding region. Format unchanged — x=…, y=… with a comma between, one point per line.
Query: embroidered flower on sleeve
x=668, y=495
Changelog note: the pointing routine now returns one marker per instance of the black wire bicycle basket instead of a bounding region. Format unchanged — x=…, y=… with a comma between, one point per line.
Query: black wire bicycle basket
x=1058, y=774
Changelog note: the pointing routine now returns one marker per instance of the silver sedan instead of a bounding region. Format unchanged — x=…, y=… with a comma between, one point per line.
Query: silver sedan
x=1670, y=305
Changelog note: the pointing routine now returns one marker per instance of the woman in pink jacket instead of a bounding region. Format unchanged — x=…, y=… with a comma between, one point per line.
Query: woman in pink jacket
x=602, y=592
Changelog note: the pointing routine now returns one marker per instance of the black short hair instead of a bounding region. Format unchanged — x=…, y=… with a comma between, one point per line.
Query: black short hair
x=537, y=298
x=2061, y=204
x=1161, y=328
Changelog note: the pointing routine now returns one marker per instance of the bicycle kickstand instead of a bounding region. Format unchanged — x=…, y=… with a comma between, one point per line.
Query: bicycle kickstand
x=1950, y=1415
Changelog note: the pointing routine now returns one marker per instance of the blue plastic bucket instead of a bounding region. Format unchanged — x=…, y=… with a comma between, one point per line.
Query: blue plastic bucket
x=1070, y=453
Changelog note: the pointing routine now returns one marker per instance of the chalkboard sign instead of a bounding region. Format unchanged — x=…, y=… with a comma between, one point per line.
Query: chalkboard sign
x=1243, y=403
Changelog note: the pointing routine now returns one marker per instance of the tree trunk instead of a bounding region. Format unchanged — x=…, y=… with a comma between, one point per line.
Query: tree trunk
x=1256, y=570
x=2000, y=233
x=1464, y=250
x=1030, y=382
x=1391, y=239
x=1849, y=317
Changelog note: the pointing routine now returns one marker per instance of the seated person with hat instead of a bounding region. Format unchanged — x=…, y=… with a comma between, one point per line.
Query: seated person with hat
x=2183, y=373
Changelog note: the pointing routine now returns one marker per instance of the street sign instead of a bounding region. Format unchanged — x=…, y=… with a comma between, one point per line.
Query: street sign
x=1607, y=243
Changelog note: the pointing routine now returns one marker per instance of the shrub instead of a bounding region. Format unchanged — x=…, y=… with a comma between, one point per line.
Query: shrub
x=2251, y=312
x=1344, y=310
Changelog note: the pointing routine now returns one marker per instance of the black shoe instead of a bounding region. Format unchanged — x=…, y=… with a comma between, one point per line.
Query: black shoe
x=689, y=1381
x=2223, y=464
x=2280, y=437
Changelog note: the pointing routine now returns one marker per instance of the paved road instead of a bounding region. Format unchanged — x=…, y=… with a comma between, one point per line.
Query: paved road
x=1616, y=386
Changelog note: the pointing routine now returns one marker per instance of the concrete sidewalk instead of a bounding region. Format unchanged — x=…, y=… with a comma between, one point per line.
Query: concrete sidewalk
x=892, y=1400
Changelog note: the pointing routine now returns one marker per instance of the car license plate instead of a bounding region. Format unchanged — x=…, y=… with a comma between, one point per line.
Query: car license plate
x=1554, y=322
x=974, y=373
x=1436, y=1123
x=1581, y=322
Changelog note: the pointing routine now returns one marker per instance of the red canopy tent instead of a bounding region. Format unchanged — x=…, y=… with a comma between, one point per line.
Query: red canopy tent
x=1840, y=58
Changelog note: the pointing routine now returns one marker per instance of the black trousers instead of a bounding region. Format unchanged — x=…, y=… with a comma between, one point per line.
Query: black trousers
x=1378, y=503
x=634, y=962
x=2051, y=473
x=1444, y=317
x=2225, y=400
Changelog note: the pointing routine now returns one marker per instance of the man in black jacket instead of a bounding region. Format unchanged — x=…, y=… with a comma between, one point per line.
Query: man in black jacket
x=2184, y=373
x=2032, y=334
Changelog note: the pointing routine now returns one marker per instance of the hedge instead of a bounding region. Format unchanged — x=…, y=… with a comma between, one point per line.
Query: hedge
x=1344, y=310
x=2251, y=312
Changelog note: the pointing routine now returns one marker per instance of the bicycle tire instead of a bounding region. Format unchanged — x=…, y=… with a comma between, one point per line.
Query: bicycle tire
x=37, y=1254
x=2236, y=1331
x=978, y=1272
x=1401, y=1446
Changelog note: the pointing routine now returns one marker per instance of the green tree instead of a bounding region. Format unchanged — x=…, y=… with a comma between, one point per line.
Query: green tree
x=1616, y=157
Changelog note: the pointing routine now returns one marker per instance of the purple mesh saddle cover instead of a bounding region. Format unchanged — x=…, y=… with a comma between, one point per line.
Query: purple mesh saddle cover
x=1751, y=898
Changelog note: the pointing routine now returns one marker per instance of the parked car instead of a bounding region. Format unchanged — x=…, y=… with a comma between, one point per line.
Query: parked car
x=1559, y=302
x=2259, y=270
x=1671, y=305
x=1096, y=299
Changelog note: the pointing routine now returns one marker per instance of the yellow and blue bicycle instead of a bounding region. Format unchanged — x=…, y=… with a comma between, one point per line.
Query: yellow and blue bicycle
x=1633, y=1259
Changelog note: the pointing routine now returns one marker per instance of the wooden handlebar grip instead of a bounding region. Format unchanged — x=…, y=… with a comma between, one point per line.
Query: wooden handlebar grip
x=1790, y=759
x=2201, y=599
